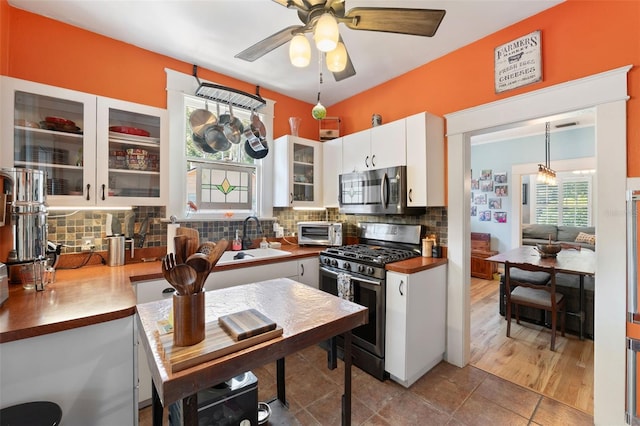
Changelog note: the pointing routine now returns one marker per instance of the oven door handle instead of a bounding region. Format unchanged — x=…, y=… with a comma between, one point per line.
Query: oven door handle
x=355, y=278
x=384, y=190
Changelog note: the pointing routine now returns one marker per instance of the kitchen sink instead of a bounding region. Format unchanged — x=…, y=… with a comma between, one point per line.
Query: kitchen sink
x=250, y=255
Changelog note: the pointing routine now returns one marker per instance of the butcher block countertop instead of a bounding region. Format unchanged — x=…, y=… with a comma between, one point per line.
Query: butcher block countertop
x=91, y=295
x=415, y=264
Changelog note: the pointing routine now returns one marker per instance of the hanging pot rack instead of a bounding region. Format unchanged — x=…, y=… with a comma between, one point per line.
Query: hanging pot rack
x=227, y=95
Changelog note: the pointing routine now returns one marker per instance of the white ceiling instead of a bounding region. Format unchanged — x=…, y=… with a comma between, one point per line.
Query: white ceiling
x=209, y=34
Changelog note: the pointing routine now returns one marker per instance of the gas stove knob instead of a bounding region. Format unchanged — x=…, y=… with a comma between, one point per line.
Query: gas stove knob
x=370, y=270
x=360, y=268
x=334, y=262
x=347, y=266
x=326, y=261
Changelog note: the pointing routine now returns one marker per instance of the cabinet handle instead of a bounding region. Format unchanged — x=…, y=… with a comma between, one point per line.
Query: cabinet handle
x=168, y=290
x=373, y=158
x=366, y=161
x=103, y=187
x=291, y=198
x=88, y=188
x=301, y=270
x=410, y=195
x=400, y=287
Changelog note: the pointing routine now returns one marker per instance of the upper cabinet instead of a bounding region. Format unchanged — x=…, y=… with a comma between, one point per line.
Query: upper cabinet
x=94, y=151
x=297, y=172
x=375, y=148
x=425, y=162
x=332, y=162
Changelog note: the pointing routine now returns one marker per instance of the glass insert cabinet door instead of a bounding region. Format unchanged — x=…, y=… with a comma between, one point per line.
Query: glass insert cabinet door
x=51, y=133
x=303, y=173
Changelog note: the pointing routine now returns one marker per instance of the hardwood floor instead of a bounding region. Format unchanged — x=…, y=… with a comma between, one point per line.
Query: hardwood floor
x=565, y=375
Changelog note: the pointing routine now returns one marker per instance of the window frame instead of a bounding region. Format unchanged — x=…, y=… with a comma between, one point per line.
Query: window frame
x=180, y=85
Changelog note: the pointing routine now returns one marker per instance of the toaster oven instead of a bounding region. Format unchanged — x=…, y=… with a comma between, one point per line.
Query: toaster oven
x=320, y=233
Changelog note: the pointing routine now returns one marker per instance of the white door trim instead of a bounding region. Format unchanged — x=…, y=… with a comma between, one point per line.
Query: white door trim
x=607, y=93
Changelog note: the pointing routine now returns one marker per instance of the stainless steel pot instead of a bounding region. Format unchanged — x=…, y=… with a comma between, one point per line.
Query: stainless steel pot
x=28, y=213
x=200, y=119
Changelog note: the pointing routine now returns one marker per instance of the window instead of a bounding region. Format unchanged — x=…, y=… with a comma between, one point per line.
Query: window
x=224, y=181
x=568, y=203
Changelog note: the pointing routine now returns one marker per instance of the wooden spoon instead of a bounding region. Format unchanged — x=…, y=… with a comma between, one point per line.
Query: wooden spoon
x=185, y=276
x=200, y=263
x=217, y=252
x=180, y=243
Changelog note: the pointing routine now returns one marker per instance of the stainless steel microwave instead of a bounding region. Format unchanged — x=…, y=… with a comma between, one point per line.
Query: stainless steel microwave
x=320, y=233
x=379, y=191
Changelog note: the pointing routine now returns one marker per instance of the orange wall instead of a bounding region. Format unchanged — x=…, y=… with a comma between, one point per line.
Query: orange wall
x=47, y=51
x=579, y=38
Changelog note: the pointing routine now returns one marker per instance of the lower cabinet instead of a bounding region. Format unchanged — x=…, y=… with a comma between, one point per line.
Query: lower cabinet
x=148, y=291
x=415, y=323
x=88, y=371
x=309, y=272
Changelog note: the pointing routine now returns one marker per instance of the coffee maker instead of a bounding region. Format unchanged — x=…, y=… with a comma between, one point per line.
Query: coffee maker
x=24, y=211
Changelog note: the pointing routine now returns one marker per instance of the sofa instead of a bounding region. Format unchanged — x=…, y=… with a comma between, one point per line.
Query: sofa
x=583, y=236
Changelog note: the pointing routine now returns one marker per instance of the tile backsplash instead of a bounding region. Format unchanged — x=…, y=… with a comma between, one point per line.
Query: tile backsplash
x=69, y=228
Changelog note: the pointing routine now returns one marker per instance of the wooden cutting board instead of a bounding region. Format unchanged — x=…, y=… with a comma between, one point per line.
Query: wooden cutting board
x=217, y=342
x=244, y=324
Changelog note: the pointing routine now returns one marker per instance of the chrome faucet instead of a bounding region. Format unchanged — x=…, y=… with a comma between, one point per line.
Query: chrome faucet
x=246, y=241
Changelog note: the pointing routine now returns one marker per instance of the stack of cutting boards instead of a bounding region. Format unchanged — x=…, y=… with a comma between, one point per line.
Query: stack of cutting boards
x=231, y=333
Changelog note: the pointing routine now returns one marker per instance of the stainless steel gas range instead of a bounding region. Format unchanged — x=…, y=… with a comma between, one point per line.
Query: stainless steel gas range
x=362, y=268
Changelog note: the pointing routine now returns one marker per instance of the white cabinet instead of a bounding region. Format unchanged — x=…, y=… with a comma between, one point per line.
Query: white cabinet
x=309, y=271
x=297, y=176
x=332, y=167
x=425, y=160
x=415, y=323
x=356, y=151
x=388, y=145
x=88, y=371
x=148, y=291
x=375, y=148
x=67, y=134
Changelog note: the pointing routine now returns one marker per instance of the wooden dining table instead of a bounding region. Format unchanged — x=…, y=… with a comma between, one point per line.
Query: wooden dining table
x=307, y=316
x=570, y=260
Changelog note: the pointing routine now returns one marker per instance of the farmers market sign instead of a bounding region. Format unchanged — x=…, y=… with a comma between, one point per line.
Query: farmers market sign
x=518, y=62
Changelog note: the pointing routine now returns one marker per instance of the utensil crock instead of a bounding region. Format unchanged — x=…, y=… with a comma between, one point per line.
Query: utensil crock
x=188, y=319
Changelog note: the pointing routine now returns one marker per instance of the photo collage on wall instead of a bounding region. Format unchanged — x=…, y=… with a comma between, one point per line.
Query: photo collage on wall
x=488, y=193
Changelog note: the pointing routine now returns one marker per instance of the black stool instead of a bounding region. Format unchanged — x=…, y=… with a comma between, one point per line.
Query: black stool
x=40, y=413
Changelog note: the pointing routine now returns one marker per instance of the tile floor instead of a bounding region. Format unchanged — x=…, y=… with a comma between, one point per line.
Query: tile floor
x=446, y=395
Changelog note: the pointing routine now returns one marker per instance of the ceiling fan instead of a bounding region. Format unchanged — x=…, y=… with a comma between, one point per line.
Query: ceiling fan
x=420, y=22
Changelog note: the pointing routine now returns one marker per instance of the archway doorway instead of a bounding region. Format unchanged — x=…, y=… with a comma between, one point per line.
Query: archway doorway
x=607, y=94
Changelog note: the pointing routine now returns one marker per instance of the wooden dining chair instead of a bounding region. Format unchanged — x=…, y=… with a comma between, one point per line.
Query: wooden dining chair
x=539, y=294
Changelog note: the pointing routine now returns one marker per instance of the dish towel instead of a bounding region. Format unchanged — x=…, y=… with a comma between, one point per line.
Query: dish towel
x=345, y=287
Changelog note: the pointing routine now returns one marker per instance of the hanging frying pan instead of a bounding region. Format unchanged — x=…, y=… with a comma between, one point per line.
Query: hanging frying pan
x=255, y=147
x=202, y=144
x=199, y=119
x=233, y=127
x=214, y=136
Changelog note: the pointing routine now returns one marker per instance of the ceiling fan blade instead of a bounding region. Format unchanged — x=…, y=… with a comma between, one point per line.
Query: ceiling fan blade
x=348, y=71
x=421, y=22
x=270, y=43
x=300, y=4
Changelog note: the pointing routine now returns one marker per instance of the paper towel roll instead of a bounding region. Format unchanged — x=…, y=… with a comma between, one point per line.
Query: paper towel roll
x=171, y=233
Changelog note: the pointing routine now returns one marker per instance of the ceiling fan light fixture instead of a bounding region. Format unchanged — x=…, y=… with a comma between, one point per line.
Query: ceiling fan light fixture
x=337, y=58
x=326, y=33
x=299, y=51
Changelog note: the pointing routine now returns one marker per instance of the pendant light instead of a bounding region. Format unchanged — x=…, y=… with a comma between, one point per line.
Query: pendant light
x=337, y=58
x=319, y=111
x=300, y=51
x=326, y=33
x=546, y=174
